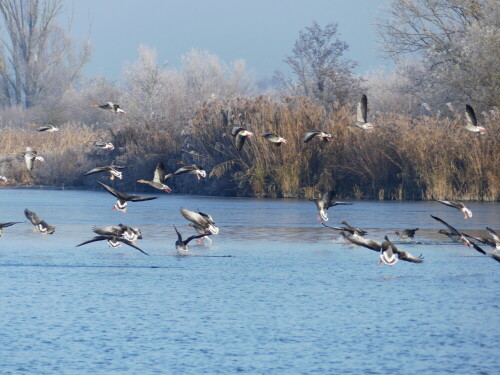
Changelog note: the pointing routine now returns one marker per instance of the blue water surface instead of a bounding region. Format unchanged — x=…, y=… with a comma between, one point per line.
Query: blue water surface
x=292, y=298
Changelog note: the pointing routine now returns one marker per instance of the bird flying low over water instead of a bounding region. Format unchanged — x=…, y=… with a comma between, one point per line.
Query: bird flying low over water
x=325, y=202
x=457, y=236
x=406, y=234
x=274, y=138
x=5, y=225
x=192, y=169
x=120, y=230
x=240, y=135
x=361, y=241
x=388, y=252
x=310, y=134
x=493, y=240
x=109, y=106
x=459, y=206
x=123, y=198
x=471, y=124
x=30, y=156
x=362, y=115
x=45, y=128
x=112, y=169
x=159, y=178
x=40, y=225
x=113, y=241
x=182, y=245
x=104, y=145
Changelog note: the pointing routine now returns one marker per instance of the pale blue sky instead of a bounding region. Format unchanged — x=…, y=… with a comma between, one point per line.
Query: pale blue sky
x=262, y=32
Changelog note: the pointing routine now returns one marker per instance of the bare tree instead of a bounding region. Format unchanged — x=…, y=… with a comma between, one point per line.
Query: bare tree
x=319, y=68
x=456, y=43
x=36, y=56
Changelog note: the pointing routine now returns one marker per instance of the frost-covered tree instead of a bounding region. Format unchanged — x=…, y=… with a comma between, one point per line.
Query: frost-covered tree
x=320, y=69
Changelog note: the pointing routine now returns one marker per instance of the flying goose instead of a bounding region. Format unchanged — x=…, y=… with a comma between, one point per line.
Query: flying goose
x=109, y=106
x=200, y=219
x=493, y=242
x=240, y=135
x=123, y=198
x=192, y=169
x=362, y=115
x=310, y=134
x=274, y=138
x=5, y=225
x=120, y=230
x=348, y=229
x=406, y=234
x=325, y=202
x=30, y=156
x=40, y=225
x=459, y=206
x=104, y=145
x=389, y=251
x=182, y=245
x=471, y=124
x=113, y=241
x=159, y=178
x=112, y=169
x=456, y=236
x=45, y=128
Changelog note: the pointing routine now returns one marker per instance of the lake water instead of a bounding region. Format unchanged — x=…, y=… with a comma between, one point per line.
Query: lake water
x=291, y=299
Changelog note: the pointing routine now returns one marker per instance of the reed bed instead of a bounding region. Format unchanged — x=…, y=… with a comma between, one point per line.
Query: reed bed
x=407, y=158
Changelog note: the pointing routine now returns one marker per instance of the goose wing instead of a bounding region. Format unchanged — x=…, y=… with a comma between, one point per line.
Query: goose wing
x=470, y=115
x=138, y=198
x=362, y=110
x=108, y=231
x=5, y=225
x=95, y=239
x=453, y=204
x=334, y=228
x=193, y=217
x=404, y=255
x=97, y=170
x=114, y=192
x=360, y=241
x=453, y=230
x=29, y=159
x=43, y=128
x=185, y=169
x=195, y=236
x=240, y=141
x=33, y=217
x=310, y=134
x=236, y=130
x=493, y=234
x=159, y=175
x=131, y=244
x=179, y=237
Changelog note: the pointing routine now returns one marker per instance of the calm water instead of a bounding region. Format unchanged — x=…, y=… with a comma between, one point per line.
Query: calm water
x=291, y=299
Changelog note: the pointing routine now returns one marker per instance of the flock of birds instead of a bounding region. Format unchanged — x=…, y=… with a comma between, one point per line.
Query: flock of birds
x=203, y=223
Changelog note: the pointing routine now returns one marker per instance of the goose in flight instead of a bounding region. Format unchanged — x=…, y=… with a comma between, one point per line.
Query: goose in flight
x=324, y=203
x=361, y=241
x=113, y=241
x=45, y=128
x=30, y=156
x=192, y=169
x=5, y=225
x=310, y=134
x=159, y=178
x=493, y=240
x=120, y=230
x=406, y=234
x=113, y=170
x=40, y=225
x=362, y=115
x=240, y=135
x=104, y=145
x=123, y=198
x=457, y=236
x=200, y=220
x=109, y=106
x=388, y=253
x=471, y=124
x=182, y=245
x=459, y=206
x=274, y=138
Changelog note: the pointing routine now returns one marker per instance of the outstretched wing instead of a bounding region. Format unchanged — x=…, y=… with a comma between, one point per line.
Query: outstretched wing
x=236, y=130
x=407, y=257
x=240, y=141
x=470, y=115
x=362, y=110
x=453, y=230
x=43, y=128
x=96, y=170
x=138, y=198
x=334, y=228
x=159, y=175
x=310, y=134
x=193, y=217
x=33, y=217
x=184, y=169
x=114, y=192
x=108, y=231
x=195, y=236
x=131, y=244
x=5, y=225
x=95, y=239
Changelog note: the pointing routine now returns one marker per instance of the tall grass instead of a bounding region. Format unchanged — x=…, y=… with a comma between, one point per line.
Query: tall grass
x=406, y=158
